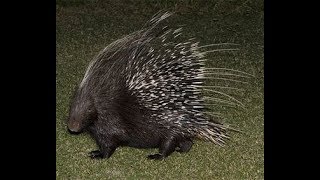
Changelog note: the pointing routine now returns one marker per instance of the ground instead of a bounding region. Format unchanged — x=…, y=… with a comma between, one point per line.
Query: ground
x=84, y=27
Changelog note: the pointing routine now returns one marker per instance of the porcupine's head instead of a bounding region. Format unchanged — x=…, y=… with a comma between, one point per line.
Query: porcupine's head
x=102, y=75
x=82, y=112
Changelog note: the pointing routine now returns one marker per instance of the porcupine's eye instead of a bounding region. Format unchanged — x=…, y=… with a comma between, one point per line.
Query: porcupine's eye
x=90, y=110
x=93, y=114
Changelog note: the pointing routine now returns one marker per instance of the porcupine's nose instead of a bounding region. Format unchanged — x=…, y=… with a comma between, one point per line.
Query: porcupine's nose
x=73, y=127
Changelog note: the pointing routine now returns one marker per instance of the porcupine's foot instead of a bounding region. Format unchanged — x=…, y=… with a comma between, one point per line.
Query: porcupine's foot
x=106, y=143
x=184, y=146
x=96, y=154
x=165, y=149
x=101, y=154
x=155, y=156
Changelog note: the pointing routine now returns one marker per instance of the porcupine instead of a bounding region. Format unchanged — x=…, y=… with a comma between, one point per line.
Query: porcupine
x=145, y=91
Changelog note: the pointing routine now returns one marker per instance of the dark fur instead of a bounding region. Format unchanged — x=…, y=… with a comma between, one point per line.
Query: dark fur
x=122, y=122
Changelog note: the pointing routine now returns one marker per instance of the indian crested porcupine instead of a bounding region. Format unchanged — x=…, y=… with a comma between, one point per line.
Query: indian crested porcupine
x=146, y=91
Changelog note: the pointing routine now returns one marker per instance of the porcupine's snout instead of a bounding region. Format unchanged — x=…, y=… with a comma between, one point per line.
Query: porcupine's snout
x=73, y=129
x=74, y=126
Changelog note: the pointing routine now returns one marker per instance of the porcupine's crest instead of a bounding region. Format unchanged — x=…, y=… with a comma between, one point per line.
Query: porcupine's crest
x=167, y=76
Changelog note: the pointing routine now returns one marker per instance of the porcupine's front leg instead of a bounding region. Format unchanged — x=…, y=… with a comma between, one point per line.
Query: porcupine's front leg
x=107, y=145
x=167, y=147
x=103, y=152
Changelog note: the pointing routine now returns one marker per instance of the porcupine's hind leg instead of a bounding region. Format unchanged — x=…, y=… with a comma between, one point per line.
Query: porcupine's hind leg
x=167, y=147
x=184, y=145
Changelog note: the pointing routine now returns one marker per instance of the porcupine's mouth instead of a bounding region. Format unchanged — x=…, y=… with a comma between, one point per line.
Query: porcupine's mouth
x=74, y=132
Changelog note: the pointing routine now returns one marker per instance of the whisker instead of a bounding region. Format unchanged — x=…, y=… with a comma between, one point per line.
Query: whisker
x=208, y=45
x=217, y=99
x=217, y=50
x=223, y=87
x=215, y=113
x=224, y=94
x=217, y=104
x=203, y=60
x=225, y=79
x=223, y=101
x=228, y=126
x=221, y=135
x=233, y=129
x=226, y=74
x=227, y=69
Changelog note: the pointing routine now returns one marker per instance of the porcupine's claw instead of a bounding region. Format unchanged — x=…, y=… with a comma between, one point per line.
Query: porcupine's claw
x=167, y=147
x=170, y=145
x=156, y=156
x=96, y=154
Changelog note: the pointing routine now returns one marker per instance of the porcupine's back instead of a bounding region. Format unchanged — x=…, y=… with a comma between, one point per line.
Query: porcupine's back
x=154, y=78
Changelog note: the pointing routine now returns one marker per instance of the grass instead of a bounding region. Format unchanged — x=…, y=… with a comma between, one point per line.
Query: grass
x=84, y=27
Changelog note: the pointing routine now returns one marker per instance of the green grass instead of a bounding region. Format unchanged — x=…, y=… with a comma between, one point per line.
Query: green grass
x=84, y=27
